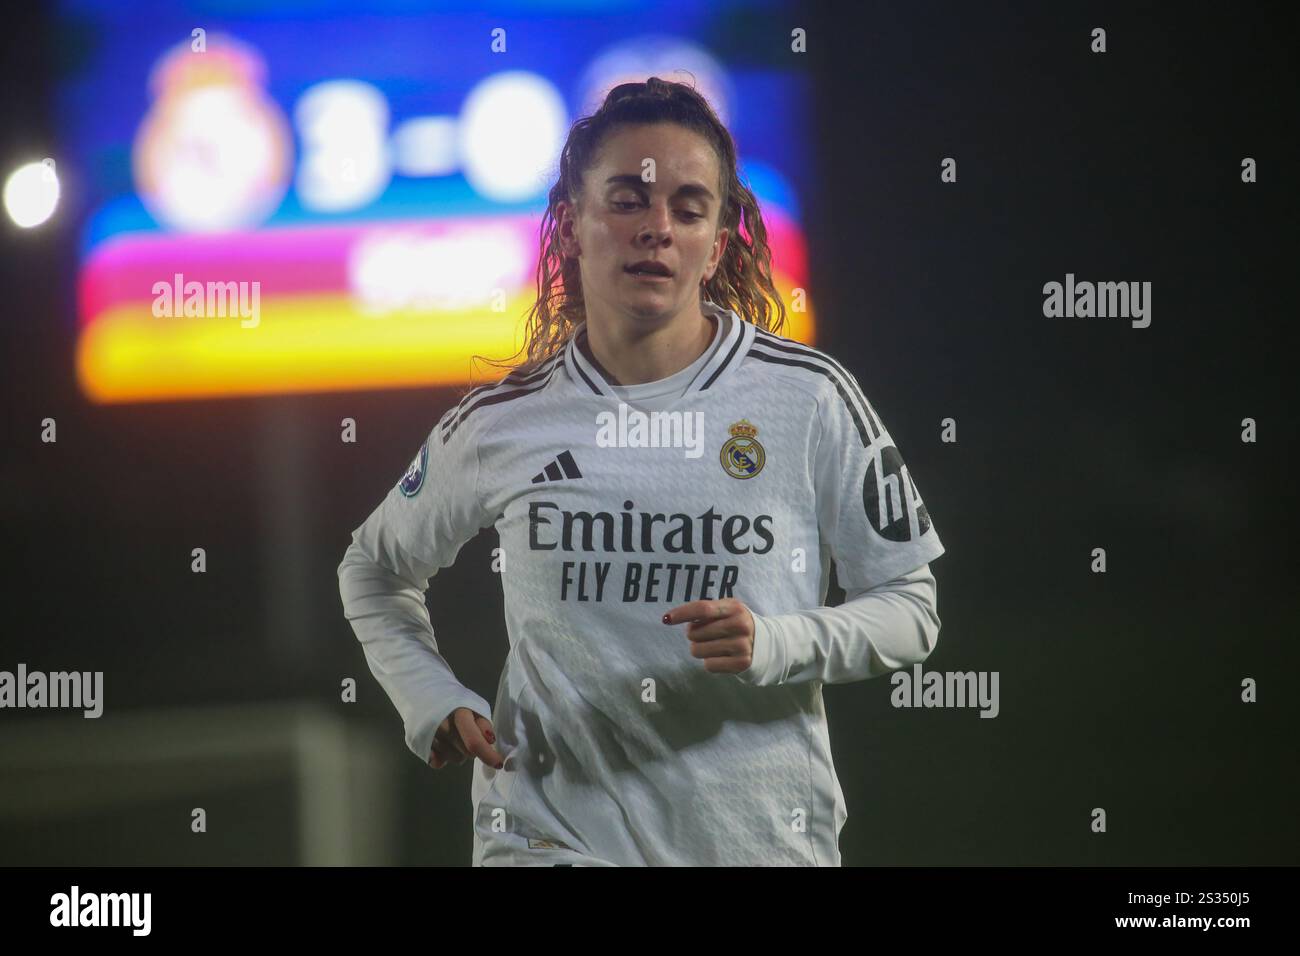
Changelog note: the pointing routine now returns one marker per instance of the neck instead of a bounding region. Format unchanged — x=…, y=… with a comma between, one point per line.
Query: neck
x=632, y=356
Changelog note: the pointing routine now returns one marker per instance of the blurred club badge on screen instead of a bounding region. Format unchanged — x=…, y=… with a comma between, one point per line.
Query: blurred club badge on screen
x=214, y=152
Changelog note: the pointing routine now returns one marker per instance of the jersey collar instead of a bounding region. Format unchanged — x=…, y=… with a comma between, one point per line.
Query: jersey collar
x=736, y=340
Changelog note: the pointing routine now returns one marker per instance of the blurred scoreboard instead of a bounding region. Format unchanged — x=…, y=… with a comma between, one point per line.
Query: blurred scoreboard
x=293, y=198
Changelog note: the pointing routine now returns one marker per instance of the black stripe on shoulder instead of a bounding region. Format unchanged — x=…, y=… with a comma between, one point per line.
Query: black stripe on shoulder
x=820, y=370
x=844, y=379
x=517, y=385
x=516, y=377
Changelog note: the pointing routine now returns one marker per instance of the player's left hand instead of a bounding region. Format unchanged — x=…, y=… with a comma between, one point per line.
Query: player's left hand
x=721, y=633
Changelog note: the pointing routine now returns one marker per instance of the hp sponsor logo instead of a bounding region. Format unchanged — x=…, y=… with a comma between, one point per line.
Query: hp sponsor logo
x=890, y=498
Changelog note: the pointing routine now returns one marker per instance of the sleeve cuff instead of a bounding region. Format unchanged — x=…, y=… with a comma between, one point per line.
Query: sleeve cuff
x=768, y=665
x=420, y=739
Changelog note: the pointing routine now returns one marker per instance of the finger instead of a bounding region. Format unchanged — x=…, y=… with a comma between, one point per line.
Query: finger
x=448, y=741
x=474, y=740
x=694, y=611
x=726, y=647
x=437, y=758
x=485, y=726
x=727, y=665
x=457, y=746
x=715, y=630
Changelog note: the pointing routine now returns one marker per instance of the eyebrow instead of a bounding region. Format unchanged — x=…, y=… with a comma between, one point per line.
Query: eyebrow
x=689, y=189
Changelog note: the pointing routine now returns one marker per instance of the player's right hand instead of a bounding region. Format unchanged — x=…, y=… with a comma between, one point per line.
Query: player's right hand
x=461, y=735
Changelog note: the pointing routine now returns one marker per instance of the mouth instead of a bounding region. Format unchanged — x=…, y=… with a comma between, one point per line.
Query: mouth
x=649, y=271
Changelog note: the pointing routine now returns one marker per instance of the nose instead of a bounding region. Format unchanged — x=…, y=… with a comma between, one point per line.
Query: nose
x=654, y=228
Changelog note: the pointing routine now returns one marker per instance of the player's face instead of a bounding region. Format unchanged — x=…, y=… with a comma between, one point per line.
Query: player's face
x=623, y=220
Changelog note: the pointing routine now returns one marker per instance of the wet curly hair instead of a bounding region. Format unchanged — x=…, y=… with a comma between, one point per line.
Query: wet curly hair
x=743, y=280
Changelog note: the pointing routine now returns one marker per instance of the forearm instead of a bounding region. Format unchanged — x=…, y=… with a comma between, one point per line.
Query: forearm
x=874, y=632
x=389, y=618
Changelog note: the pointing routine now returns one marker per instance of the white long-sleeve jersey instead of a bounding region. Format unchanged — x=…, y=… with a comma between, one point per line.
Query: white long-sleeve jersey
x=766, y=464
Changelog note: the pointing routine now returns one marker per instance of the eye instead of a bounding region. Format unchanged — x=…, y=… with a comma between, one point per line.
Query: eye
x=620, y=203
x=693, y=215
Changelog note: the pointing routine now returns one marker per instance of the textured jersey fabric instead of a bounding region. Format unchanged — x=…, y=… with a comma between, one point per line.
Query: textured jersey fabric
x=621, y=749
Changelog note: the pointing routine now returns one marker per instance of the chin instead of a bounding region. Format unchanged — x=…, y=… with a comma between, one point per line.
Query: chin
x=650, y=311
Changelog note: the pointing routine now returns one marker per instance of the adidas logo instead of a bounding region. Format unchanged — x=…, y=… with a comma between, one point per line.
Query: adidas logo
x=560, y=467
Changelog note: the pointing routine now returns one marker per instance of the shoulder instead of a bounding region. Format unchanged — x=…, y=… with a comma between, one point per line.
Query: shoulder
x=805, y=367
x=479, y=408
x=841, y=403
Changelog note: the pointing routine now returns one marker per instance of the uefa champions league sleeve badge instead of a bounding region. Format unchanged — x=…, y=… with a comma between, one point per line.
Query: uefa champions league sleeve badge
x=413, y=480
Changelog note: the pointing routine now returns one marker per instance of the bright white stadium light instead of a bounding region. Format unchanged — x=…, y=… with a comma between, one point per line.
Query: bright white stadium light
x=511, y=131
x=31, y=193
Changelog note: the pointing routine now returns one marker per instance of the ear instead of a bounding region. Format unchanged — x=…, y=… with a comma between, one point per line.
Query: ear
x=564, y=212
x=719, y=249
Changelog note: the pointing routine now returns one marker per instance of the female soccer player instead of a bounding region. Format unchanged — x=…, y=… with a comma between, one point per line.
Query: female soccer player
x=662, y=458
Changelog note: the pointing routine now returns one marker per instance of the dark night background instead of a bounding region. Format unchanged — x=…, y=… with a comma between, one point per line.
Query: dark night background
x=1118, y=690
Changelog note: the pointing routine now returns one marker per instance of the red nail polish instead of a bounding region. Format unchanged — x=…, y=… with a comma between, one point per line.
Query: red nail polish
x=666, y=621
x=491, y=737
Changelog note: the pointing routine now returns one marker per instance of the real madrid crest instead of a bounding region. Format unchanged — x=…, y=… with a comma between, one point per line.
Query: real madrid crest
x=742, y=456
